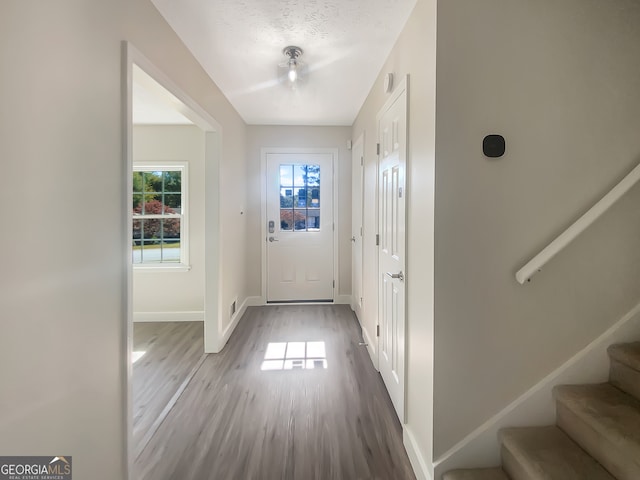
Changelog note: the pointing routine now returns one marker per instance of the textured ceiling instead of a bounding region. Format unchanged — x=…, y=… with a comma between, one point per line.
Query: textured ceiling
x=239, y=43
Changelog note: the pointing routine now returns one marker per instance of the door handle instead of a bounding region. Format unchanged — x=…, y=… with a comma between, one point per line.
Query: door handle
x=353, y=239
x=399, y=276
x=273, y=239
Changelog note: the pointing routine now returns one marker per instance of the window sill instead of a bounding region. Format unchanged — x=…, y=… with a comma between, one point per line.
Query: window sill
x=178, y=267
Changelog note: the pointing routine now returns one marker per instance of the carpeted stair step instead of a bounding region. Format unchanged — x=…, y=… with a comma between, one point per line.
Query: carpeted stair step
x=476, y=474
x=546, y=453
x=624, y=372
x=605, y=422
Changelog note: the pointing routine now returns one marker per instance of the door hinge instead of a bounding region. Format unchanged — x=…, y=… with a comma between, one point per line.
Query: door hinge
x=377, y=239
x=378, y=148
x=377, y=330
x=361, y=161
x=360, y=231
x=400, y=192
x=334, y=284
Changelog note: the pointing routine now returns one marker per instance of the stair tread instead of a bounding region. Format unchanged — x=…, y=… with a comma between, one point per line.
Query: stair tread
x=627, y=353
x=609, y=411
x=548, y=453
x=476, y=474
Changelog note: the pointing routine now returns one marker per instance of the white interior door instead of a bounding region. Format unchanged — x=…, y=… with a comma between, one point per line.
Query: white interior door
x=357, y=178
x=392, y=134
x=300, y=228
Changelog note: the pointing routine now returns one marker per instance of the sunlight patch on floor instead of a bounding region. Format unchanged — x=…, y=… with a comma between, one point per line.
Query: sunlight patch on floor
x=135, y=356
x=294, y=356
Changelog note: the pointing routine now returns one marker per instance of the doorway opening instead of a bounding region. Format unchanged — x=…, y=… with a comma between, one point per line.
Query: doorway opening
x=163, y=242
x=298, y=225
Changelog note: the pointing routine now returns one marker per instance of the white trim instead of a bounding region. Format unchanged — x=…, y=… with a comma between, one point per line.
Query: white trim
x=256, y=301
x=213, y=245
x=342, y=299
x=185, y=105
x=565, y=238
x=536, y=406
x=372, y=347
x=263, y=199
x=416, y=459
x=161, y=267
x=194, y=316
x=213, y=148
x=226, y=334
x=128, y=55
x=163, y=166
x=356, y=303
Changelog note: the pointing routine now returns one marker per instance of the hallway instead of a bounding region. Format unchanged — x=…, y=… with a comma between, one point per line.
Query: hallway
x=244, y=417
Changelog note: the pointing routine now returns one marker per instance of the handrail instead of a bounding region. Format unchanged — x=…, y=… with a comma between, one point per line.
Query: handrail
x=536, y=263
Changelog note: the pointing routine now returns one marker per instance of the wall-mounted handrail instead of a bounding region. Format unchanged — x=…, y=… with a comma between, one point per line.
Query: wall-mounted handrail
x=536, y=263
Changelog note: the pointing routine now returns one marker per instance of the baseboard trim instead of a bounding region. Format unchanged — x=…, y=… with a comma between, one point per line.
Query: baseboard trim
x=418, y=463
x=371, y=347
x=226, y=334
x=342, y=300
x=192, y=316
x=536, y=406
x=256, y=301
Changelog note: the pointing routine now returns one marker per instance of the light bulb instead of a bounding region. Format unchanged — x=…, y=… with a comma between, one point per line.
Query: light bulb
x=293, y=71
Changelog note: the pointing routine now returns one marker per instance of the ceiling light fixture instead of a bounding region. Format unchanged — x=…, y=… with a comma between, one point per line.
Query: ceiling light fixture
x=293, y=63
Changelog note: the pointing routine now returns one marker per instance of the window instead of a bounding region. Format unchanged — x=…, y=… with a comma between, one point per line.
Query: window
x=159, y=215
x=300, y=198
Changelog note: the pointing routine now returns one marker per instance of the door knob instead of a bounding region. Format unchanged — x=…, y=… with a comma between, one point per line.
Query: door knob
x=273, y=239
x=399, y=276
x=353, y=239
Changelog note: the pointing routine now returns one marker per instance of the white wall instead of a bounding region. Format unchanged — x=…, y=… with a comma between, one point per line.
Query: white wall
x=560, y=81
x=63, y=280
x=414, y=54
x=165, y=291
x=303, y=137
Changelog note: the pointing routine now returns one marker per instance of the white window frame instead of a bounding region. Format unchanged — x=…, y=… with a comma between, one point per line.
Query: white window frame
x=183, y=265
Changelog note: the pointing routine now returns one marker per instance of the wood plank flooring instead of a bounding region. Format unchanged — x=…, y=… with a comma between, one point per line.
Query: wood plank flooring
x=236, y=421
x=172, y=351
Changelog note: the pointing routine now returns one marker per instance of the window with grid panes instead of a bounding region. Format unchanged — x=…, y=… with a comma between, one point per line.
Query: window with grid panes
x=159, y=215
x=300, y=198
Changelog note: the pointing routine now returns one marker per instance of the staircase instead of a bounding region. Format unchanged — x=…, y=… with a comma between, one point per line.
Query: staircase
x=596, y=436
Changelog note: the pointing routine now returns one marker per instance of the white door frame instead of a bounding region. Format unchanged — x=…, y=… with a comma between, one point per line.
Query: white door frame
x=263, y=196
x=213, y=341
x=358, y=145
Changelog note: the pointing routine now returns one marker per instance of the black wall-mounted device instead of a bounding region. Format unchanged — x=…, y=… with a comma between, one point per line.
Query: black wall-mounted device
x=493, y=146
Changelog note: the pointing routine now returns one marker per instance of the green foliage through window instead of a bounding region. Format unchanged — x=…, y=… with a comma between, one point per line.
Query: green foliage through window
x=157, y=216
x=300, y=197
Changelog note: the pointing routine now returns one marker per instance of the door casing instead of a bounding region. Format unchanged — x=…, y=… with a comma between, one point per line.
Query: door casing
x=357, y=225
x=263, y=196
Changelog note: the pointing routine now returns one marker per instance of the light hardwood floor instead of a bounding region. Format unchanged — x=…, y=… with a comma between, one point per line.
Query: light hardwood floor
x=236, y=421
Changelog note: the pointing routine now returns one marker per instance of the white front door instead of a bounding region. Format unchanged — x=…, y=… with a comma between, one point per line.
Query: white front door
x=300, y=229
x=392, y=135
x=357, y=179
